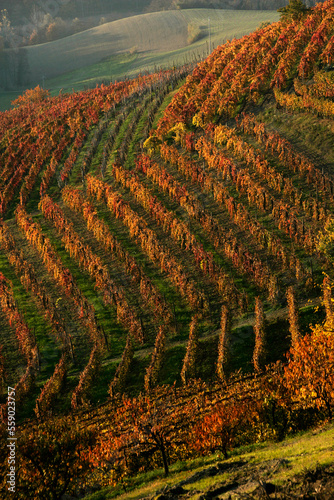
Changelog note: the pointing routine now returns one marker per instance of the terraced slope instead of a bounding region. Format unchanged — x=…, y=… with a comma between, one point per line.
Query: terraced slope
x=144, y=216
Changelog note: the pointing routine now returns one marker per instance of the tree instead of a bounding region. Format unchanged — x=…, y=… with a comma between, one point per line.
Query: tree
x=35, y=95
x=309, y=373
x=150, y=423
x=56, y=29
x=219, y=429
x=37, y=16
x=51, y=458
x=6, y=30
x=295, y=10
x=34, y=38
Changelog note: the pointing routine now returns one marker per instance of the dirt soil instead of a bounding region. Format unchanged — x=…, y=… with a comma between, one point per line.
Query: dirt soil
x=249, y=481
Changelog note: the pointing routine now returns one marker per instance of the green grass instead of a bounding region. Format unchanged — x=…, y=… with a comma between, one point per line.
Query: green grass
x=293, y=456
x=6, y=97
x=112, y=68
x=168, y=99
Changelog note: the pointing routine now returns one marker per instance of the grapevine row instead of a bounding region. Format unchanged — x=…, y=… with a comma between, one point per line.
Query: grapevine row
x=289, y=60
x=177, y=229
x=320, y=107
x=240, y=256
x=31, y=283
x=257, y=195
x=289, y=158
x=112, y=294
x=237, y=211
x=62, y=275
x=74, y=199
x=87, y=377
x=27, y=343
x=322, y=86
x=276, y=180
x=123, y=368
x=152, y=372
x=319, y=39
x=51, y=389
x=189, y=361
x=147, y=239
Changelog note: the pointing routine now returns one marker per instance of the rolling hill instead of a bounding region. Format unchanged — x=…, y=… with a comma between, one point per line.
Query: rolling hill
x=127, y=47
x=166, y=262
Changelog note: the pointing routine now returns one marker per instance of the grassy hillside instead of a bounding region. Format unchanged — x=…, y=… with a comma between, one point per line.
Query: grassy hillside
x=133, y=45
x=138, y=57
x=301, y=465
x=166, y=244
x=158, y=32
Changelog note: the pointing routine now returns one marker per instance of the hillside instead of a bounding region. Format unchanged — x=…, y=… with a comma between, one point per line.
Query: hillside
x=167, y=263
x=23, y=9
x=301, y=465
x=125, y=47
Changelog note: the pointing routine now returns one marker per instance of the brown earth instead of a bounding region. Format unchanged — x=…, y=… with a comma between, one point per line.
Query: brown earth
x=253, y=482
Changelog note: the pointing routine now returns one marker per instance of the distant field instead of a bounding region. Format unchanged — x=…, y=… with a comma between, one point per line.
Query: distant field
x=6, y=98
x=132, y=45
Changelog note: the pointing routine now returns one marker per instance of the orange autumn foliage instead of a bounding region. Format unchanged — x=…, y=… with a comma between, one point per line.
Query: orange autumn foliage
x=309, y=374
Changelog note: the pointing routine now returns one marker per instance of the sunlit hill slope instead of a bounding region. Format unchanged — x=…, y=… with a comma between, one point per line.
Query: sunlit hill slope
x=166, y=250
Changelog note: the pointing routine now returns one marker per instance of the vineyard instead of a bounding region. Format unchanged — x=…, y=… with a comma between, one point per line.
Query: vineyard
x=163, y=244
